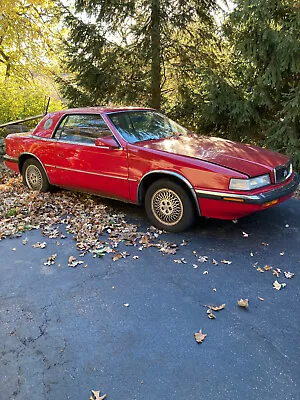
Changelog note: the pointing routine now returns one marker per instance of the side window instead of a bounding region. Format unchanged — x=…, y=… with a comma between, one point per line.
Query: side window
x=82, y=128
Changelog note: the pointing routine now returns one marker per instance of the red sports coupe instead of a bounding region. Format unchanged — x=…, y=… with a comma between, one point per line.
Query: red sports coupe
x=139, y=155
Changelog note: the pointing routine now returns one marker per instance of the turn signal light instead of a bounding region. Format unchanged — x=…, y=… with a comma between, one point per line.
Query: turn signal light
x=270, y=203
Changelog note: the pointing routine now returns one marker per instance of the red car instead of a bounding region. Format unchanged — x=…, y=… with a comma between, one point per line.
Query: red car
x=139, y=155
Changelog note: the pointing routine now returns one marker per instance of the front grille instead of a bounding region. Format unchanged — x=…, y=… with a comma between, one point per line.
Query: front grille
x=283, y=172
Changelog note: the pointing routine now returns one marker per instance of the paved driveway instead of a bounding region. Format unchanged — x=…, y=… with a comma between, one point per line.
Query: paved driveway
x=65, y=331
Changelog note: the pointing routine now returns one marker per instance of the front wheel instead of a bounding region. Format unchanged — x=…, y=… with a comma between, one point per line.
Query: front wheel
x=169, y=206
x=34, y=176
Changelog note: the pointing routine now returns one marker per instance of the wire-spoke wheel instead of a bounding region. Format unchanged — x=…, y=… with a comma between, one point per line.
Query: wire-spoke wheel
x=169, y=206
x=34, y=176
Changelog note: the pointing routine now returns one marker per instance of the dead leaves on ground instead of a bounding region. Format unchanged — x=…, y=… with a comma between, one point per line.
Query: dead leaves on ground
x=210, y=310
x=278, y=286
x=51, y=260
x=199, y=336
x=39, y=245
x=73, y=262
x=289, y=275
x=96, y=395
x=244, y=303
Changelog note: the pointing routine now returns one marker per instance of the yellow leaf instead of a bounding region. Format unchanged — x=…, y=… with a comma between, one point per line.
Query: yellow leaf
x=217, y=308
x=243, y=303
x=211, y=316
x=267, y=267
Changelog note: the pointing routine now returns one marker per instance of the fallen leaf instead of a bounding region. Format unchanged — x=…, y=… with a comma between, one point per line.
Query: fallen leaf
x=168, y=248
x=39, y=245
x=282, y=253
x=267, y=267
x=288, y=275
x=278, y=286
x=25, y=241
x=96, y=395
x=261, y=298
x=135, y=257
x=243, y=303
x=251, y=254
x=126, y=305
x=203, y=259
x=287, y=225
x=211, y=315
x=265, y=244
x=205, y=272
x=259, y=269
x=245, y=234
x=181, y=261
x=145, y=241
x=214, y=262
x=50, y=260
x=214, y=289
x=183, y=243
x=235, y=221
x=226, y=262
x=217, y=308
x=199, y=336
x=119, y=255
x=276, y=273
x=73, y=263
x=195, y=266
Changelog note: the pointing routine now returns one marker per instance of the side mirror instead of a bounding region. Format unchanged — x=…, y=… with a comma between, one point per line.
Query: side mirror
x=108, y=142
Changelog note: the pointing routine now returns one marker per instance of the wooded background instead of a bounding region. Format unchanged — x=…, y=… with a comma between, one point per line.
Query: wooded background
x=227, y=71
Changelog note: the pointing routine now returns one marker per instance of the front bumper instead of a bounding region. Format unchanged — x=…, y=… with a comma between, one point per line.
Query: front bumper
x=260, y=198
x=224, y=205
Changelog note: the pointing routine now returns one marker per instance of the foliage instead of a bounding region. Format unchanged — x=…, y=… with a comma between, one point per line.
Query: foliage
x=257, y=98
x=27, y=36
x=20, y=101
x=139, y=51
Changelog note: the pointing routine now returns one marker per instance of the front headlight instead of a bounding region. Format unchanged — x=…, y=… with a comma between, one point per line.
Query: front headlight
x=249, y=184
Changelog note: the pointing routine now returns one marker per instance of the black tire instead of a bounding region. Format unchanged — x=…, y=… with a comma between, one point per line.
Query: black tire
x=169, y=206
x=34, y=176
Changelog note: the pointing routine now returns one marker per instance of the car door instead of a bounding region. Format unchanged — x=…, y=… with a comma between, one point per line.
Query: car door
x=82, y=165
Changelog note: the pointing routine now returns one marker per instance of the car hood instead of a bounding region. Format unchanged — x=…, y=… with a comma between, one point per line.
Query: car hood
x=244, y=158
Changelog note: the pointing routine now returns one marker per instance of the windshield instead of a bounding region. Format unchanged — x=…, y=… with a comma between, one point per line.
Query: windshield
x=137, y=126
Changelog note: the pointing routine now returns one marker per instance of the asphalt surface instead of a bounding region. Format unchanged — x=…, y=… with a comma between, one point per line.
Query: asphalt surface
x=65, y=331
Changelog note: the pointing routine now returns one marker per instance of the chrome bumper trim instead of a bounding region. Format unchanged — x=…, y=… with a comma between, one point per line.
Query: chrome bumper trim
x=260, y=198
x=11, y=159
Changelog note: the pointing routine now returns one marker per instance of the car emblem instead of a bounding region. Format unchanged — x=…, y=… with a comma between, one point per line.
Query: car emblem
x=285, y=174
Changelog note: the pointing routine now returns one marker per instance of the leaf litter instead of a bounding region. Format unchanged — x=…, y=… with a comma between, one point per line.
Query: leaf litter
x=95, y=227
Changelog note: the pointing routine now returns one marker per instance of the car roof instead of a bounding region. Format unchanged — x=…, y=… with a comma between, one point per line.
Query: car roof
x=98, y=109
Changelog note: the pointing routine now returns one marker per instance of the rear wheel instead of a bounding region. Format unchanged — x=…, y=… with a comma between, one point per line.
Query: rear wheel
x=34, y=176
x=169, y=206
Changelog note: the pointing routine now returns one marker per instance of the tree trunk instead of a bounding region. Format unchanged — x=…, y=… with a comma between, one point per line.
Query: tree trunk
x=155, y=55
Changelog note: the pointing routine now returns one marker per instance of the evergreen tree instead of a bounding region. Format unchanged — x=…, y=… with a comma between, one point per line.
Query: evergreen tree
x=129, y=51
x=258, y=96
